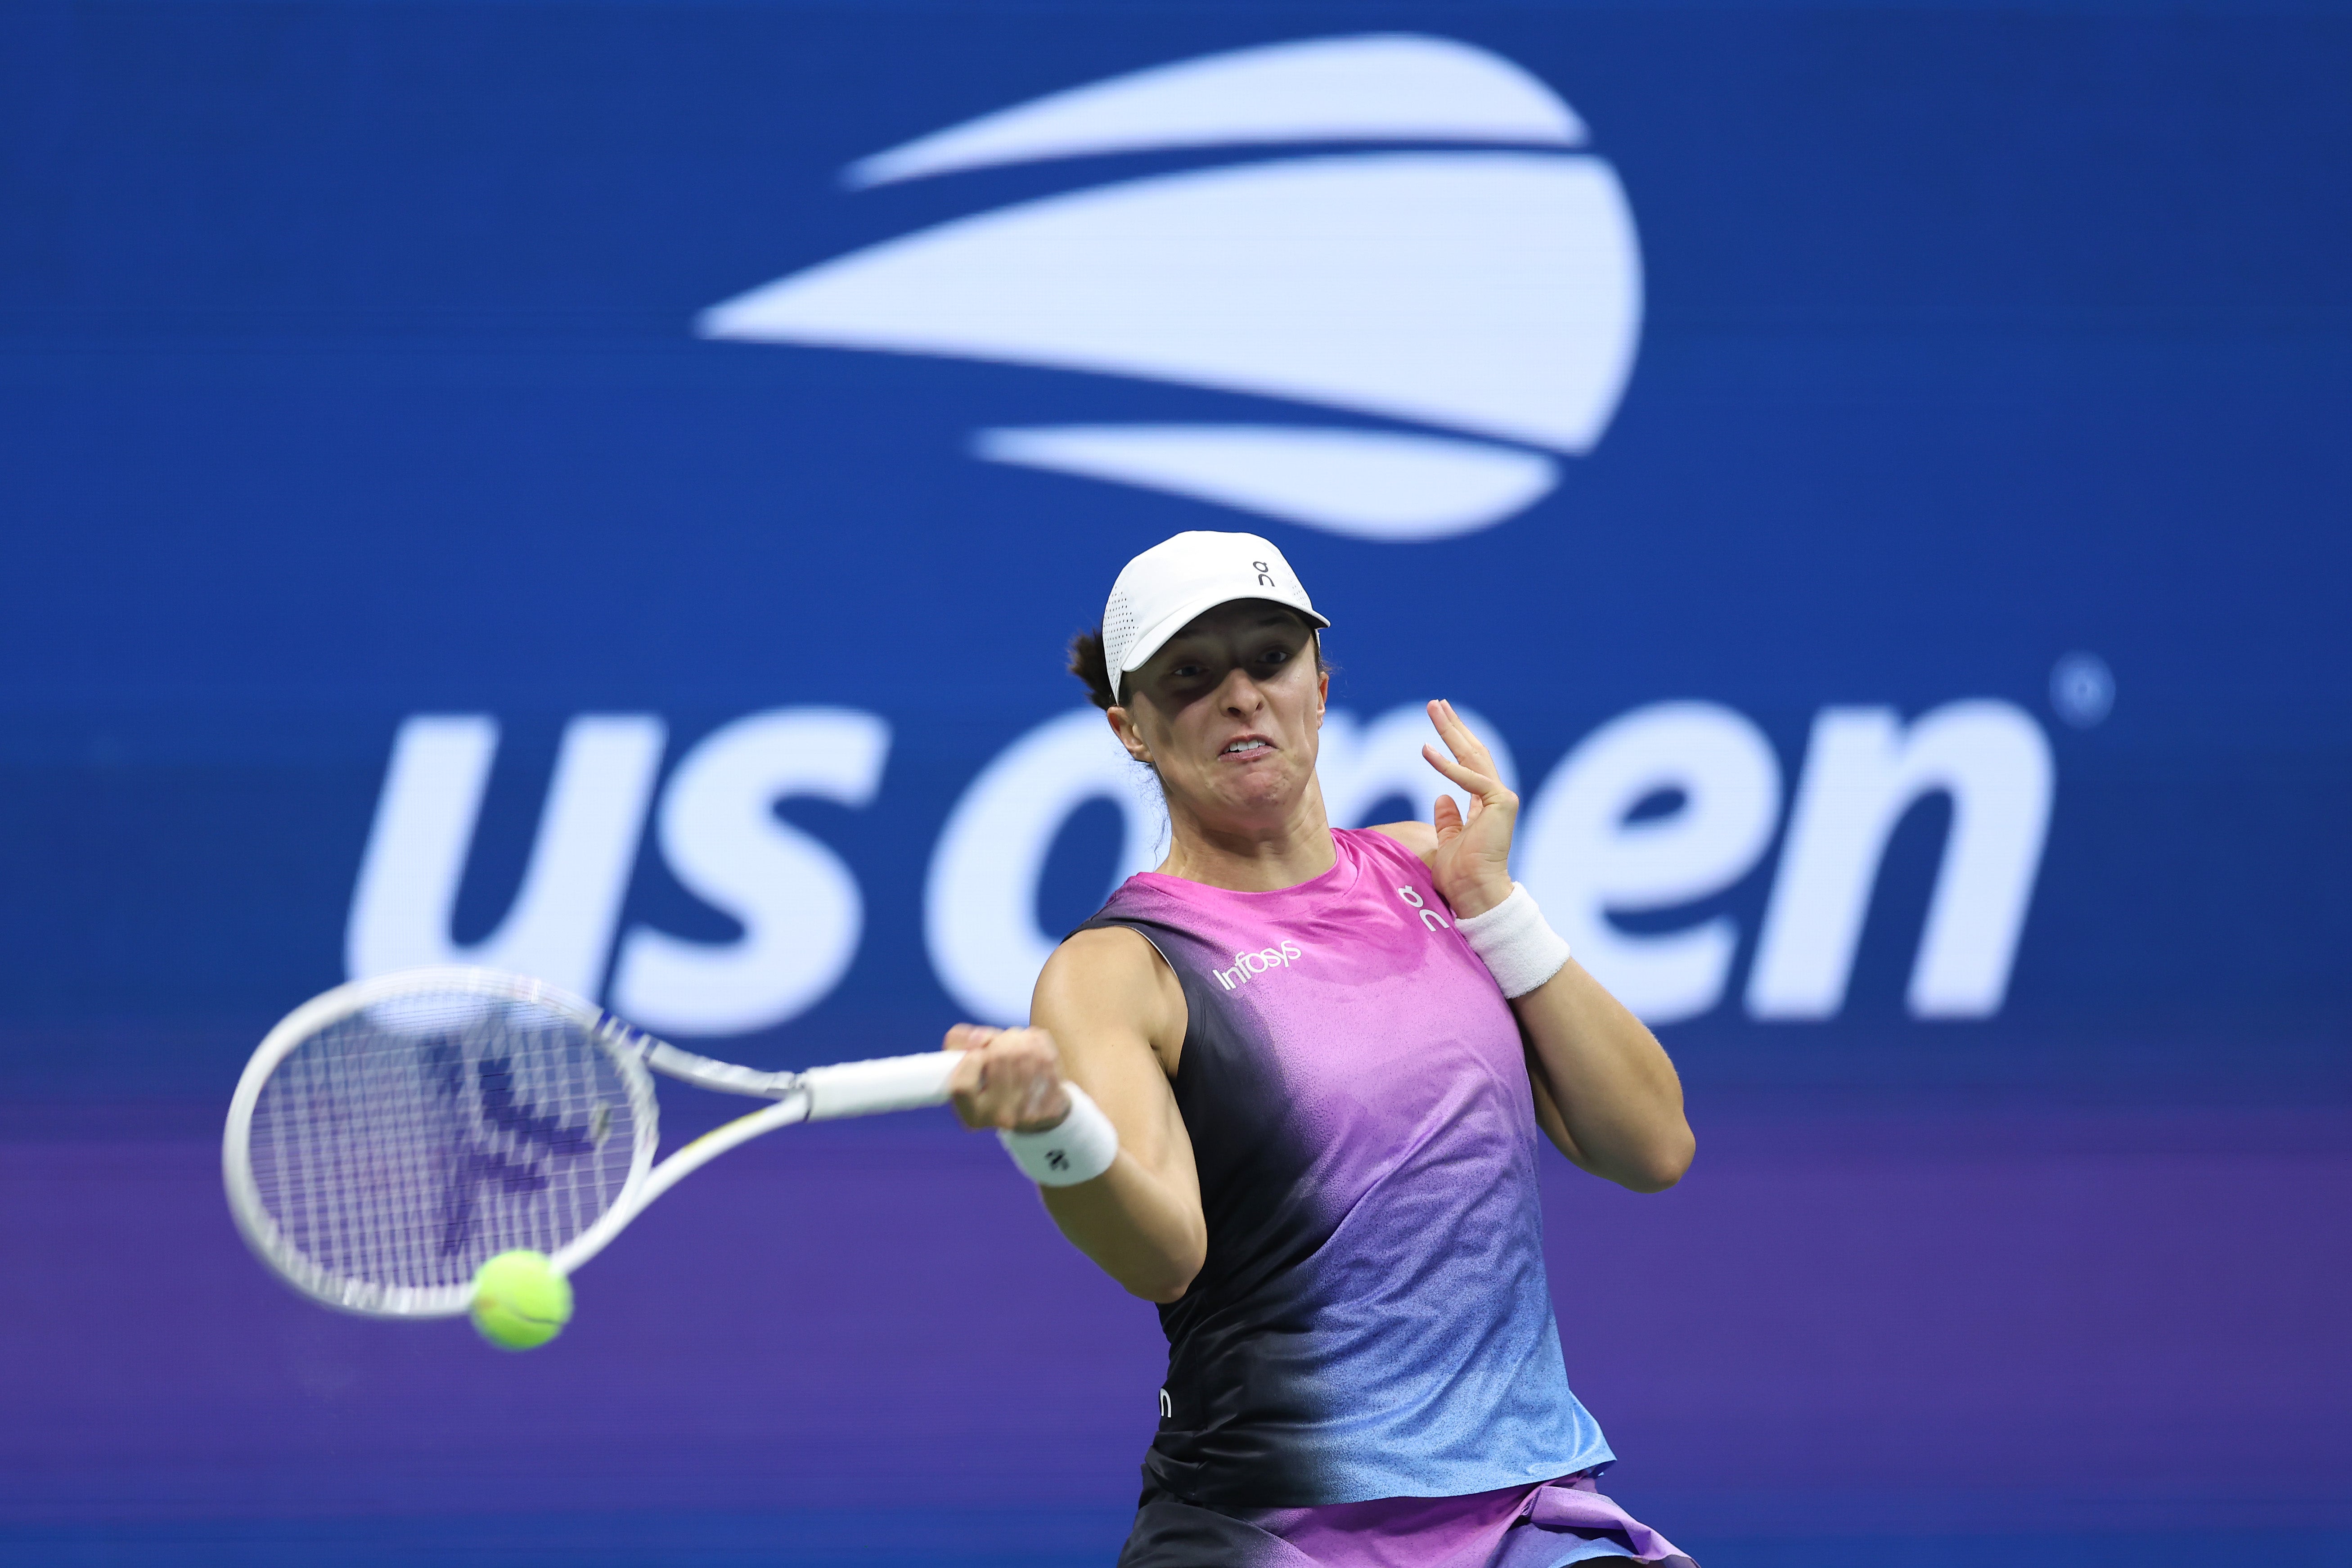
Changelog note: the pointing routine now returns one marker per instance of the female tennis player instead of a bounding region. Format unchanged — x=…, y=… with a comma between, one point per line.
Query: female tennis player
x=1288, y=1086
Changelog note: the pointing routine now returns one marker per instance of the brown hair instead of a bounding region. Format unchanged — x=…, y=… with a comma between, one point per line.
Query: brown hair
x=1091, y=665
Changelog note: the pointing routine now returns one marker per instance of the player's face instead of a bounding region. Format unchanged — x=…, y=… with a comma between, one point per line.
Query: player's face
x=1229, y=711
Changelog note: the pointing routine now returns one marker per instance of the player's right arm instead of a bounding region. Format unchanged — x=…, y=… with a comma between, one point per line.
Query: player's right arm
x=1109, y=1016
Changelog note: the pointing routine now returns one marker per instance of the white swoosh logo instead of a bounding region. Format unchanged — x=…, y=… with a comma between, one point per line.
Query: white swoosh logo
x=1381, y=88
x=1371, y=484
x=1492, y=293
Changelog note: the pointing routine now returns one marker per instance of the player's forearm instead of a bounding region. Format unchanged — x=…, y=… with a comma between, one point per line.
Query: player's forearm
x=1617, y=1094
x=1136, y=1226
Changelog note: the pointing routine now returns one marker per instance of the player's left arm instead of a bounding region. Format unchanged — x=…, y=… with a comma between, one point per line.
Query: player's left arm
x=1605, y=1092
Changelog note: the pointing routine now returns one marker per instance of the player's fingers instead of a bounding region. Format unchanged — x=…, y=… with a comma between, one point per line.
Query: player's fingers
x=1467, y=747
x=968, y=1037
x=1446, y=816
x=1018, y=1090
x=1458, y=738
x=964, y=1088
x=1044, y=1099
x=1480, y=784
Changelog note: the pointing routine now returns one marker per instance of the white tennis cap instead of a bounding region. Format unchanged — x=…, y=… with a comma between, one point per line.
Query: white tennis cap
x=1163, y=589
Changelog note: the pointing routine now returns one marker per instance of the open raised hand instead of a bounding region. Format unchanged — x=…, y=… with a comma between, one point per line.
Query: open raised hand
x=1472, y=865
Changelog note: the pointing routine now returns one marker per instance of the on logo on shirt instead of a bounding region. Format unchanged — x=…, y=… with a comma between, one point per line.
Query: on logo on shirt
x=1430, y=918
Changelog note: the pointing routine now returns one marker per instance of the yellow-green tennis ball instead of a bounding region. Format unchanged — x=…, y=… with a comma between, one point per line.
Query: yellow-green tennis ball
x=520, y=1302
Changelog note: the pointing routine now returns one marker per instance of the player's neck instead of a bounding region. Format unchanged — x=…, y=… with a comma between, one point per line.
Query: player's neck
x=1260, y=856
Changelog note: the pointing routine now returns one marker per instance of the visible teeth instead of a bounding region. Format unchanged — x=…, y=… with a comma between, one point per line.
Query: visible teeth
x=1244, y=746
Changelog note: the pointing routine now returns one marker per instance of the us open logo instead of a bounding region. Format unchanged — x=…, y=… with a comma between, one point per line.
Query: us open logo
x=1467, y=295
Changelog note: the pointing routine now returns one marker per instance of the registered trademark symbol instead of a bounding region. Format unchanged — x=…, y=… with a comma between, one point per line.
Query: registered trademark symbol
x=2082, y=689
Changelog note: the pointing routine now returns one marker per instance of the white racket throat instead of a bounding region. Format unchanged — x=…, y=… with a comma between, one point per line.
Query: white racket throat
x=391, y=1135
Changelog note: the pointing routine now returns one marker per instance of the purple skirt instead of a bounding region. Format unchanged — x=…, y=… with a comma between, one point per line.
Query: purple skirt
x=1547, y=1525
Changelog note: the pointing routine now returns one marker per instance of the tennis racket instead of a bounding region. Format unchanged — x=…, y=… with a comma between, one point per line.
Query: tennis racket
x=391, y=1135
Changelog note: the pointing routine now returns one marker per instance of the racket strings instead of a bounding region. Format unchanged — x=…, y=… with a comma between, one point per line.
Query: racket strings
x=398, y=1148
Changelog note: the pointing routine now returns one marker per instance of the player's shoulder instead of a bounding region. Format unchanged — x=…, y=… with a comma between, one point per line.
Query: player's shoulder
x=1418, y=839
x=1104, y=947
x=1110, y=977
x=1102, y=964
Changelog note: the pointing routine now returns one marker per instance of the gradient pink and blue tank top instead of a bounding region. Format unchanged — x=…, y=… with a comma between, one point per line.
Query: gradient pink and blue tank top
x=1373, y=1319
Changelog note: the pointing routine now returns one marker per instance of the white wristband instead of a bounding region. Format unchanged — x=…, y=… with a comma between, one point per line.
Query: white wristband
x=1518, y=949
x=1078, y=1148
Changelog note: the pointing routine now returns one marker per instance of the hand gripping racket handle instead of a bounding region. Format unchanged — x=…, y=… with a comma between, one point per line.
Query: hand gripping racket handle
x=891, y=1083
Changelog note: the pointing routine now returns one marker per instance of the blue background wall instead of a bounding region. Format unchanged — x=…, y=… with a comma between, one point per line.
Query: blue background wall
x=347, y=373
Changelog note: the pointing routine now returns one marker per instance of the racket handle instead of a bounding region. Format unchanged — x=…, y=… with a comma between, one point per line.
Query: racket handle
x=891, y=1083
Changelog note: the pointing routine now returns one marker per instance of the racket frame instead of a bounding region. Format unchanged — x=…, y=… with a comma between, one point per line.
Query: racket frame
x=848, y=1088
